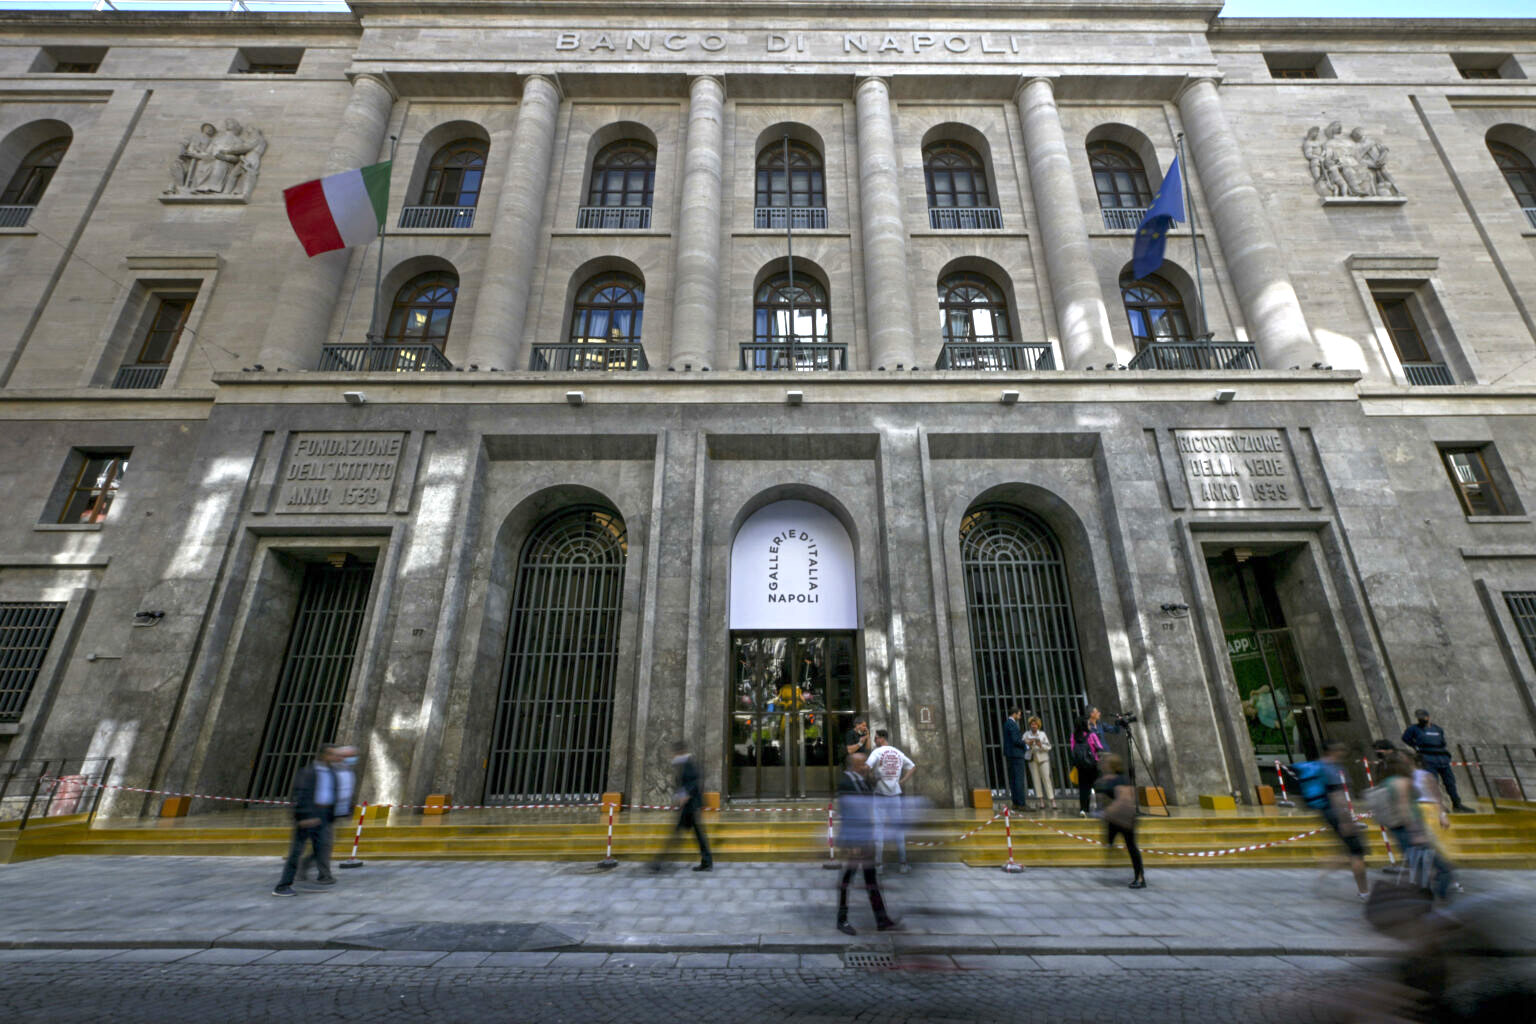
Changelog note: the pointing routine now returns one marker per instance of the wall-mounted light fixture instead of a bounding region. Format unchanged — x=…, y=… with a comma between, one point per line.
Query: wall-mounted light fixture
x=576, y=398
x=1175, y=608
x=147, y=618
x=794, y=397
x=1225, y=395
x=1010, y=398
x=355, y=397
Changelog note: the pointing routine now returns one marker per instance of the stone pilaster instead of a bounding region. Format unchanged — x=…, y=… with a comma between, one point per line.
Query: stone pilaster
x=696, y=296
x=1254, y=261
x=1080, y=311
x=887, y=290
x=311, y=285
x=501, y=309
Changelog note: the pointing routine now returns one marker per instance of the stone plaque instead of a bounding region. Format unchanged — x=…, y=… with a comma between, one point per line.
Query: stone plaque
x=340, y=472
x=927, y=717
x=1238, y=469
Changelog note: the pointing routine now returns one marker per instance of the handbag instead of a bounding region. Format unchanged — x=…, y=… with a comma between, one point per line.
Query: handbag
x=1072, y=776
x=1393, y=906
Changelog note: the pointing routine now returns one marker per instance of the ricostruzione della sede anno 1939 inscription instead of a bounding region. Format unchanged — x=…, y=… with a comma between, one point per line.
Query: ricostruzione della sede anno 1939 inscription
x=1237, y=469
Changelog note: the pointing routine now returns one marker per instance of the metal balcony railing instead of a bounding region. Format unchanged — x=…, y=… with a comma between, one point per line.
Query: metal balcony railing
x=139, y=378
x=614, y=218
x=1530, y=214
x=16, y=216
x=382, y=358
x=801, y=218
x=999, y=356
x=965, y=218
x=800, y=356
x=1127, y=219
x=1196, y=355
x=449, y=218
x=1428, y=374
x=602, y=356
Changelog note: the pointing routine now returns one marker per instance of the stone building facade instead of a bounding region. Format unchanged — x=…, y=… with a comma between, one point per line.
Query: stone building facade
x=729, y=373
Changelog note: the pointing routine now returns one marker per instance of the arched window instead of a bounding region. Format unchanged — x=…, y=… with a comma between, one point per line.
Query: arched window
x=804, y=183
x=1119, y=177
x=605, y=328
x=623, y=174
x=973, y=316
x=554, y=713
x=1156, y=312
x=423, y=310
x=1520, y=173
x=955, y=175
x=455, y=174
x=31, y=179
x=1024, y=647
x=792, y=329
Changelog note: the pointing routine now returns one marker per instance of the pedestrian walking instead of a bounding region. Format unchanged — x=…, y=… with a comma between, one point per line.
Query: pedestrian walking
x=1400, y=811
x=889, y=769
x=1427, y=739
x=1039, y=745
x=1017, y=753
x=1120, y=814
x=1325, y=787
x=1087, y=749
x=344, y=771
x=855, y=836
x=856, y=740
x=690, y=808
x=314, y=801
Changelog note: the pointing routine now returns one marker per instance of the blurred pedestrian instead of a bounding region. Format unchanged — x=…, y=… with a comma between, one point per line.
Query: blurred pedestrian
x=314, y=799
x=690, y=808
x=855, y=835
x=1087, y=749
x=1427, y=740
x=889, y=769
x=1017, y=753
x=1120, y=814
x=1327, y=789
x=1427, y=866
x=1039, y=745
x=344, y=772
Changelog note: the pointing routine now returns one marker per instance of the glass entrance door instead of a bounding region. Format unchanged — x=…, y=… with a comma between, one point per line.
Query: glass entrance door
x=792, y=698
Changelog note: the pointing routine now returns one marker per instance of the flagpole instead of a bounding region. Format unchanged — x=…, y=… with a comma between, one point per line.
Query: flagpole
x=1194, y=239
x=378, y=276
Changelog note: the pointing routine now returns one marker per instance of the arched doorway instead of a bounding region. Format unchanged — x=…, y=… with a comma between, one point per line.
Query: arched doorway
x=554, y=715
x=1023, y=633
x=794, y=686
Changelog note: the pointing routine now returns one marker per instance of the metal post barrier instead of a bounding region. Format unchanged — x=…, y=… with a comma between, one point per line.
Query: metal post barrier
x=1515, y=772
x=106, y=775
x=608, y=861
x=831, y=863
x=1285, y=798
x=1385, y=841
x=1472, y=779
x=357, y=837
x=1493, y=798
x=1012, y=867
x=37, y=783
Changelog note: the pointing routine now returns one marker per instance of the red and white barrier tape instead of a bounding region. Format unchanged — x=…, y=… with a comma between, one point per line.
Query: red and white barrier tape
x=1187, y=853
x=1370, y=781
x=962, y=837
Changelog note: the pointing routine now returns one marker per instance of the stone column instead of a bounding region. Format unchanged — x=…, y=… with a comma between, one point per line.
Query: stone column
x=301, y=314
x=696, y=299
x=1270, y=307
x=887, y=290
x=1080, y=313
x=501, y=310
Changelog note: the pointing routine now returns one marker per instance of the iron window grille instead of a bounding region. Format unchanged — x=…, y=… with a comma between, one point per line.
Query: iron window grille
x=26, y=633
x=1522, y=608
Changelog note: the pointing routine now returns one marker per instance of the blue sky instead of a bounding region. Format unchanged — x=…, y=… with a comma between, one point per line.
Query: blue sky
x=1234, y=9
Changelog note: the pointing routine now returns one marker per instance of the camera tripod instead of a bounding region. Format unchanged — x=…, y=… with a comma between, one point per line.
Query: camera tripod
x=1135, y=753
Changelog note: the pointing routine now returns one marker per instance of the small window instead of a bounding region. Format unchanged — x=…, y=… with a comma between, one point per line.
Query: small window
x=1406, y=318
x=1299, y=65
x=97, y=478
x=267, y=60
x=160, y=340
x=1473, y=470
x=1519, y=172
x=1403, y=326
x=31, y=179
x=69, y=60
x=1484, y=66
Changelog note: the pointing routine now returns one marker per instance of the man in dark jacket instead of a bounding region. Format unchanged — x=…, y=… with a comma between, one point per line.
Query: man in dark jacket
x=856, y=837
x=1428, y=740
x=1017, y=753
x=690, y=807
x=314, y=800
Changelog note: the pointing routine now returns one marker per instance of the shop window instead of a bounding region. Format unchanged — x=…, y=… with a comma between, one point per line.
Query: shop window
x=1478, y=476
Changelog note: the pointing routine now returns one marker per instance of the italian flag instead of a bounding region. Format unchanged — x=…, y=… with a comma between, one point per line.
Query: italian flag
x=339, y=210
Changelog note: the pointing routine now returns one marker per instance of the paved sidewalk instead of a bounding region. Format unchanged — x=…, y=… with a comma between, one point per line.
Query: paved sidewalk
x=447, y=906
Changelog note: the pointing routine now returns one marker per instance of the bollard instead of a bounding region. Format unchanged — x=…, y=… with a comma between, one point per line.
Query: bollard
x=831, y=863
x=1369, y=781
x=357, y=837
x=608, y=861
x=1013, y=867
x=1285, y=798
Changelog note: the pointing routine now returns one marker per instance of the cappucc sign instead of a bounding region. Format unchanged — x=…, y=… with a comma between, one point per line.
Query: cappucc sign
x=792, y=568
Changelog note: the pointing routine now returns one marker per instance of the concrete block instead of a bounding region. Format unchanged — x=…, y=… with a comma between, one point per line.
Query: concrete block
x=1152, y=796
x=175, y=806
x=981, y=799
x=438, y=803
x=1266, y=795
x=1217, y=802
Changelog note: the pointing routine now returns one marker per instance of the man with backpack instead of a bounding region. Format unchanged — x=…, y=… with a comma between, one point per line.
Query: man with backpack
x=1324, y=787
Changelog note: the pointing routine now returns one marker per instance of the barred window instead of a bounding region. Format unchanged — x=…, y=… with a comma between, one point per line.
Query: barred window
x=26, y=633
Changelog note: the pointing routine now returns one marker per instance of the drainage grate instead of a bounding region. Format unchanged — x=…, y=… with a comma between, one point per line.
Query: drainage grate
x=869, y=961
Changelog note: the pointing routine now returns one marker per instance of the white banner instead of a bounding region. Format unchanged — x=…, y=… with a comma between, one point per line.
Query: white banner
x=792, y=568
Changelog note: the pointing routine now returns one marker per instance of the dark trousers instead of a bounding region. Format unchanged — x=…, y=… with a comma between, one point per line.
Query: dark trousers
x=691, y=816
x=1087, y=775
x=1111, y=830
x=871, y=884
x=1016, y=780
x=1447, y=778
x=314, y=837
x=321, y=859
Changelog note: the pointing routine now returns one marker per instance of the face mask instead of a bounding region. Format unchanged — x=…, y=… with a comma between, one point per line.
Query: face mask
x=349, y=761
x=1423, y=721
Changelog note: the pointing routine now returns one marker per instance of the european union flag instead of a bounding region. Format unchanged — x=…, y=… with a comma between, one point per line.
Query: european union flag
x=1152, y=234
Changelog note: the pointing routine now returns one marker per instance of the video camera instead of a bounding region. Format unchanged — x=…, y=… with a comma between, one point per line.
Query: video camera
x=1123, y=719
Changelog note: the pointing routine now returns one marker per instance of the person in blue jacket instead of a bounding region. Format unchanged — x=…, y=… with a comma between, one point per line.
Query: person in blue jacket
x=1428, y=740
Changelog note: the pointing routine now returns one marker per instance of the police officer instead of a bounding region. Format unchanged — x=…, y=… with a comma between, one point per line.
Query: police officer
x=1428, y=740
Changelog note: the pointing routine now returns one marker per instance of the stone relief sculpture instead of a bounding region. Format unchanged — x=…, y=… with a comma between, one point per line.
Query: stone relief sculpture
x=1347, y=166
x=218, y=163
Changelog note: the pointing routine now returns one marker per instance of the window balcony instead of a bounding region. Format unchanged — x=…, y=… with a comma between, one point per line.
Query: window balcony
x=806, y=355
x=614, y=218
x=1530, y=214
x=1000, y=357
x=383, y=358
x=139, y=377
x=1127, y=219
x=17, y=216
x=600, y=357
x=1428, y=374
x=439, y=218
x=801, y=218
x=1196, y=355
x=965, y=218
